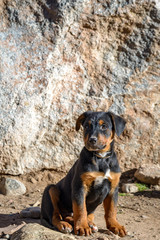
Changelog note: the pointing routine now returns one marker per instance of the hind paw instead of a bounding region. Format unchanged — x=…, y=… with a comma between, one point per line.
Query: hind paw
x=64, y=227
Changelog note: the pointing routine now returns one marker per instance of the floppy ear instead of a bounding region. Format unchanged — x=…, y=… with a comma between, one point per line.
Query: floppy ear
x=119, y=123
x=81, y=119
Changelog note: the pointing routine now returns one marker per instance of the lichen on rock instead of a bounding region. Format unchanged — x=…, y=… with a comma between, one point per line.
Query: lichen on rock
x=60, y=58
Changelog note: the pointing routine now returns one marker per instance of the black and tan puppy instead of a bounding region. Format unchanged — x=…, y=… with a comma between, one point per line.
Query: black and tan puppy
x=93, y=179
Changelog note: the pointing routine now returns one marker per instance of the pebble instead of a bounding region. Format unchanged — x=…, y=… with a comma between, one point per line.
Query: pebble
x=13, y=207
x=130, y=234
x=38, y=178
x=137, y=220
x=37, y=203
x=129, y=188
x=32, y=180
x=31, y=212
x=50, y=176
x=120, y=211
x=144, y=217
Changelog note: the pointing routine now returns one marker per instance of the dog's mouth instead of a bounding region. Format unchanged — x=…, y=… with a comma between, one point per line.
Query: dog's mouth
x=95, y=148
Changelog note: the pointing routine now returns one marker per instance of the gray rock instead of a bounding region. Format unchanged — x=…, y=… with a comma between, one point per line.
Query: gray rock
x=38, y=232
x=149, y=174
x=129, y=188
x=31, y=212
x=11, y=187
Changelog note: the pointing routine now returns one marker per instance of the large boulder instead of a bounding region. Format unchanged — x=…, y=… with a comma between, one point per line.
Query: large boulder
x=38, y=232
x=149, y=174
x=60, y=58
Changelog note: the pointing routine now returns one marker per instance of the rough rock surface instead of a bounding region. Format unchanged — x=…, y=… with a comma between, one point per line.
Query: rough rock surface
x=36, y=231
x=60, y=58
x=149, y=174
x=11, y=187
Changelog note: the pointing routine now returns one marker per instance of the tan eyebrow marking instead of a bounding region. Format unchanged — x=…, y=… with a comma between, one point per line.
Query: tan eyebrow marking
x=101, y=122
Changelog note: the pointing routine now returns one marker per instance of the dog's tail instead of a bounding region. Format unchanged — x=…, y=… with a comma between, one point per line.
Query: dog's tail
x=47, y=207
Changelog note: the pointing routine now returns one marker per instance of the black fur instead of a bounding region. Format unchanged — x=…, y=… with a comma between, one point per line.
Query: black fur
x=71, y=188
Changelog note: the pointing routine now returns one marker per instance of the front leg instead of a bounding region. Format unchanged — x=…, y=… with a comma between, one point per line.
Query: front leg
x=110, y=214
x=81, y=226
x=79, y=192
x=109, y=204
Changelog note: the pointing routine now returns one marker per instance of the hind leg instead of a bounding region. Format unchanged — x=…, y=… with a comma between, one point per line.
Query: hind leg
x=57, y=219
x=69, y=219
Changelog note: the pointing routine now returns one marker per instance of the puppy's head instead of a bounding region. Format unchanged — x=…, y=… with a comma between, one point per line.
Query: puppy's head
x=99, y=129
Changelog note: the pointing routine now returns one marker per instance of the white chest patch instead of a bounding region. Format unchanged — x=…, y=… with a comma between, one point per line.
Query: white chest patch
x=100, y=179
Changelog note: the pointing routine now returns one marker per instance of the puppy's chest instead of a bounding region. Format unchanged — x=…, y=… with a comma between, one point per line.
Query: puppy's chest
x=101, y=177
x=95, y=179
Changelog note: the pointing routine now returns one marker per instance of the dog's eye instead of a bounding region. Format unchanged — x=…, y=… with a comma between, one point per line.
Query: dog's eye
x=103, y=127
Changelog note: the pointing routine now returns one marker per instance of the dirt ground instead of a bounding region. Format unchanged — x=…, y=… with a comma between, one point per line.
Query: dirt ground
x=139, y=212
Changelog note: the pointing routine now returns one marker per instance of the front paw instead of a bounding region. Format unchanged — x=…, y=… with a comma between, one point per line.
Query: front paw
x=82, y=229
x=116, y=228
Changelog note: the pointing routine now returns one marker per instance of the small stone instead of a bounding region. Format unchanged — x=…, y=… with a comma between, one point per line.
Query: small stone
x=35, y=212
x=31, y=212
x=10, y=187
x=50, y=176
x=38, y=178
x=37, y=203
x=144, y=217
x=137, y=220
x=25, y=214
x=13, y=207
x=129, y=188
x=120, y=211
x=32, y=180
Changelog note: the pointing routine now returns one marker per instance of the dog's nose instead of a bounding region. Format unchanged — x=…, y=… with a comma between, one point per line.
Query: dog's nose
x=93, y=140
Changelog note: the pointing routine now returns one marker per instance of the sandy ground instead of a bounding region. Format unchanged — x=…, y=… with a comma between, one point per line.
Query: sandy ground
x=139, y=212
